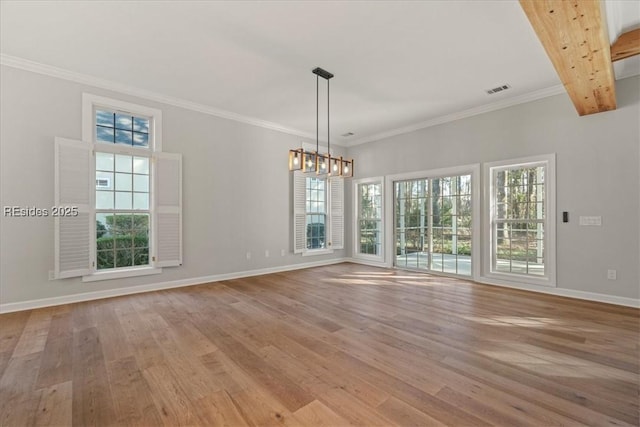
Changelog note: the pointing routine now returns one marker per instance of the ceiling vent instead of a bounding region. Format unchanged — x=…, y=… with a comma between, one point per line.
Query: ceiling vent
x=347, y=134
x=498, y=89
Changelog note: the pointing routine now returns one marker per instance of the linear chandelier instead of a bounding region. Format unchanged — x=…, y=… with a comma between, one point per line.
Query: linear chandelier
x=314, y=161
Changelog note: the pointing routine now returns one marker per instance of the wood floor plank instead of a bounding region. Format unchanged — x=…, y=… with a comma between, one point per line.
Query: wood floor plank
x=490, y=414
x=57, y=362
x=257, y=412
x=145, y=348
x=132, y=398
x=290, y=394
x=54, y=408
x=413, y=396
x=347, y=407
x=18, y=400
x=218, y=409
x=174, y=408
x=34, y=335
x=92, y=402
x=333, y=373
x=406, y=415
x=112, y=336
x=320, y=415
x=543, y=398
x=11, y=327
x=336, y=345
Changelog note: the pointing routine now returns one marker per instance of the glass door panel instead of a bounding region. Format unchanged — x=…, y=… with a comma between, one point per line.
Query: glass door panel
x=433, y=224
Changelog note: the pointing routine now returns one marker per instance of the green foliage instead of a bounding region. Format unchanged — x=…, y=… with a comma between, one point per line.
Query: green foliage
x=122, y=251
x=122, y=225
x=315, y=235
x=101, y=230
x=123, y=241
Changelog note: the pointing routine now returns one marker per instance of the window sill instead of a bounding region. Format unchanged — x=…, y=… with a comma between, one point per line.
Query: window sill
x=517, y=279
x=121, y=274
x=313, y=252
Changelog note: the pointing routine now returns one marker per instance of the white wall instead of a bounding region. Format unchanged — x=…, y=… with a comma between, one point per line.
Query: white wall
x=597, y=167
x=236, y=189
x=227, y=214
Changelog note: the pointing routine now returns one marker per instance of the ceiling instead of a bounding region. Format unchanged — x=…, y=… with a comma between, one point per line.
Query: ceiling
x=398, y=65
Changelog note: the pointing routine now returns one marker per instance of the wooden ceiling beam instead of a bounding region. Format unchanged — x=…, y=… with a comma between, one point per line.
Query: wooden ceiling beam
x=573, y=32
x=628, y=44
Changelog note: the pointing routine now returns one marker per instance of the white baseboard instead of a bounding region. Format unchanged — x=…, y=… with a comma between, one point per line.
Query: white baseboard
x=89, y=296
x=110, y=293
x=561, y=292
x=372, y=263
x=570, y=293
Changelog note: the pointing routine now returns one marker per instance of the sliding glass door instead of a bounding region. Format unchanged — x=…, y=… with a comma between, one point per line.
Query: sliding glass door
x=433, y=224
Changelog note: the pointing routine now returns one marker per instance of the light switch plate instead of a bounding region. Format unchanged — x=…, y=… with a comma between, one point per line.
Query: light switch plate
x=591, y=220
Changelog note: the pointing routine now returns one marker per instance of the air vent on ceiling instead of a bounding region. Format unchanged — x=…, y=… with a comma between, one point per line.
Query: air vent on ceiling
x=498, y=89
x=348, y=134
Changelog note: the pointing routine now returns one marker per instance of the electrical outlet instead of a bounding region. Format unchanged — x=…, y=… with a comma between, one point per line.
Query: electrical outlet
x=282, y=252
x=611, y=274
x=52, y=275
x=248, y=255
x=266, y=253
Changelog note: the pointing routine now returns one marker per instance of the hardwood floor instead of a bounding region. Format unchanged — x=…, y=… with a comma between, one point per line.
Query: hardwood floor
x=328, y=346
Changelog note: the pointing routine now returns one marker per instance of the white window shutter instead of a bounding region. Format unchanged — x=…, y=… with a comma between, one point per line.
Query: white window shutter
x=336, y=205
x=73, y=171
x=299, y=212
x=168, y=210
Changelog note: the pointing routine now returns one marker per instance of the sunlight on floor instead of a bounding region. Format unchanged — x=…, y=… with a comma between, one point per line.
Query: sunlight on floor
x=531, y=322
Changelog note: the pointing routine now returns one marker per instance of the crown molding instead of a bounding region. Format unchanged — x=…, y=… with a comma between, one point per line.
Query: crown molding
x=499, y=105
x=49, y=70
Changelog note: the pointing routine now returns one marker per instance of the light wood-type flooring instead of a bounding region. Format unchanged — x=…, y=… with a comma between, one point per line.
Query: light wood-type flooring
x=328, y=346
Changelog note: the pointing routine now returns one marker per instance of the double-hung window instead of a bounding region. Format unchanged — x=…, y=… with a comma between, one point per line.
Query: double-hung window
x=318, y=213
x=521, y=230
x=316, y=208
x=128, y=194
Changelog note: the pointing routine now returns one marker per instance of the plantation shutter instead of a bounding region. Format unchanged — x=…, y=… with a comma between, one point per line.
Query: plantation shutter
x=168, y=210
x=299, y=212
x=73, y=167
x=336, y=206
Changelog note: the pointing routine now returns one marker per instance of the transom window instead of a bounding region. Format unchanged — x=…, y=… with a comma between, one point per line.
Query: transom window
x=122, y=128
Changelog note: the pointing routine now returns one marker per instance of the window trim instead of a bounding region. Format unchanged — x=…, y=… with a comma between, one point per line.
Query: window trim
x=90, y=103
x=356, y=214
x=476, y=218
x=488, y=275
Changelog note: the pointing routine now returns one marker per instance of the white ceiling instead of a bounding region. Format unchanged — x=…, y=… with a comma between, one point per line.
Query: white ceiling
x=397, y=64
